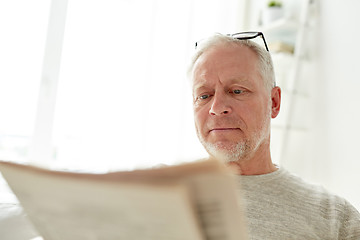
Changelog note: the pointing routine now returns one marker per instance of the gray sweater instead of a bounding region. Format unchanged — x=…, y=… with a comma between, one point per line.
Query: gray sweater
x=280, y=205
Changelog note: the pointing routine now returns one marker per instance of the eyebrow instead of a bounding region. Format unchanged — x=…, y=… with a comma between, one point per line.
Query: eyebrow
x=202, y=82
x=199, y=83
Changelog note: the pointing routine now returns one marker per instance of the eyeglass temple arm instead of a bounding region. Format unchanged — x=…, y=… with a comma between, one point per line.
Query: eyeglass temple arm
x=266, y=46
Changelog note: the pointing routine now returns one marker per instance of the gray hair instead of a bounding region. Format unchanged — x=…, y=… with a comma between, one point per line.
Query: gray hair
x=265, y=64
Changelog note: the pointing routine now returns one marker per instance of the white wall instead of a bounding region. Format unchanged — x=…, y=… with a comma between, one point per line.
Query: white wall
x=338, y=97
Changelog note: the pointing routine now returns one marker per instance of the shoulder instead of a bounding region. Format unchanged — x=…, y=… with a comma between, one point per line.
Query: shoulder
x=312, y=194
x=324, y=206
x=290, y=195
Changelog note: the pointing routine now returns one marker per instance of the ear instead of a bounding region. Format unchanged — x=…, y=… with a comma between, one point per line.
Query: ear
x=276, y=101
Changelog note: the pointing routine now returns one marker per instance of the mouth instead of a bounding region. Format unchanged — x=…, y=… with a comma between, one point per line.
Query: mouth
x=224, y=129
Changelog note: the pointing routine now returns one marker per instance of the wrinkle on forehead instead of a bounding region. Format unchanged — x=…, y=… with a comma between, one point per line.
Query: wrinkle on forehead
x=205, y=74
x=223, y=57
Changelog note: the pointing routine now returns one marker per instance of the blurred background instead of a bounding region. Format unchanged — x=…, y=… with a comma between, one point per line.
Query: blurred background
x=101, y=84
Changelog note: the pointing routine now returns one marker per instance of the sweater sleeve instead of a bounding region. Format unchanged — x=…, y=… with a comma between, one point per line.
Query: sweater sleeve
x=350, y=229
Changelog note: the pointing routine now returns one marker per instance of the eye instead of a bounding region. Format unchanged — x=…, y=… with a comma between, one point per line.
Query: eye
x=203, y=97
x=237, y=91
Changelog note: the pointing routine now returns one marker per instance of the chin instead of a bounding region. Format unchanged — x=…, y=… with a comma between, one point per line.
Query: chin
x=227, y=152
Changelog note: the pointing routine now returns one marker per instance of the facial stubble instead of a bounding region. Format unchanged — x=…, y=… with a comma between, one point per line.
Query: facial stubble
x=242, y=149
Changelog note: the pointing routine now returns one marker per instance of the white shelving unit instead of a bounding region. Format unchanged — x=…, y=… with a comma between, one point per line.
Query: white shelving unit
x=289, y=30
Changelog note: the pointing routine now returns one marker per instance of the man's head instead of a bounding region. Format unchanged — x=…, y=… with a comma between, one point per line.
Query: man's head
x=234, y=98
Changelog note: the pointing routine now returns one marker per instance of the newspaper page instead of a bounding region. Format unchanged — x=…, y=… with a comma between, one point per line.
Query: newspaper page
x=189, y=201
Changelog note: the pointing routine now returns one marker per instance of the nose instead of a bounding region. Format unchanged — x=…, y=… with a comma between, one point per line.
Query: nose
x=220, y=105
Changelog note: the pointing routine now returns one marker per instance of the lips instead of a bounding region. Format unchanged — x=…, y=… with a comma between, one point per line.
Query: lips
x=222, y=129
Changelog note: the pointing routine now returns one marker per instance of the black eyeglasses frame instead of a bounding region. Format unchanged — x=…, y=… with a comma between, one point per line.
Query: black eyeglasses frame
x=253, y=35
x=256, y=34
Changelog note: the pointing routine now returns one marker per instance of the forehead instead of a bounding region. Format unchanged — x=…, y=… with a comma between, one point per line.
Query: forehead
x=225, y=63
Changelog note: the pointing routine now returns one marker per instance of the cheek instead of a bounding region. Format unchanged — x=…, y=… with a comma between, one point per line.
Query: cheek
x=199, y=117
x=262, y=117
x=252, y=113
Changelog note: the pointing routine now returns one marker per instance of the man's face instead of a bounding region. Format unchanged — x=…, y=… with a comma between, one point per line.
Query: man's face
x=232, y=107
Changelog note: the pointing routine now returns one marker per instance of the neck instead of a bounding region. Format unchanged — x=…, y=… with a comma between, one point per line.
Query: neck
x=241, y=168
x=257, y=164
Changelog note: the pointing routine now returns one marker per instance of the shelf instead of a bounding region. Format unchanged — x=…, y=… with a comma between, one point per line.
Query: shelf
x=282, y=24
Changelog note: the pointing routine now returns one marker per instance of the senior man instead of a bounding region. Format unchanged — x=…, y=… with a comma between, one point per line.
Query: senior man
x=234, y=99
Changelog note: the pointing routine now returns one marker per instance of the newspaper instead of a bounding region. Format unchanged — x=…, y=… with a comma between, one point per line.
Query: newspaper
x=191, y=201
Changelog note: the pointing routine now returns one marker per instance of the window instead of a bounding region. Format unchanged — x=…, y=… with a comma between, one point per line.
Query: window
x=23, y=26
x=122, y=97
